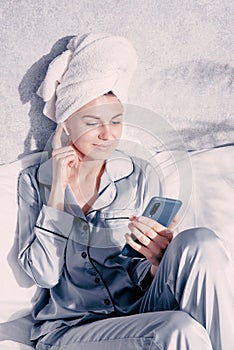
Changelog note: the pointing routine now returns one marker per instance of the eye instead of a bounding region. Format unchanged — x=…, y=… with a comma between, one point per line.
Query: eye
x=116, y=121
x=92, y=124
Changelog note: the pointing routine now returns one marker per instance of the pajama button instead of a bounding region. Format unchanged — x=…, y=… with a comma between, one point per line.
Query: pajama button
x=85, y=227
x=107, y=301
x=97, y=280
x=84, y=255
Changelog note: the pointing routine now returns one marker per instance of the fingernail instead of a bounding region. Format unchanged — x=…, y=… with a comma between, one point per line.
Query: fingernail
x=132, y=217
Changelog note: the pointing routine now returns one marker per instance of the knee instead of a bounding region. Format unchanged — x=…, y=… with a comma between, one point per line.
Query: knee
x=201, y=243
x=197, y=235
x=200, y=238
x=186, y=332
x=182, y=322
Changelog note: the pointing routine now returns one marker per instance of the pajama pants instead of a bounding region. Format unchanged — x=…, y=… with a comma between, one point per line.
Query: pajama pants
x=189, y=305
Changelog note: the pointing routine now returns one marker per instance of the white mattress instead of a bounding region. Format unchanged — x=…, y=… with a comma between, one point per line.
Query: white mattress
x=204, y=181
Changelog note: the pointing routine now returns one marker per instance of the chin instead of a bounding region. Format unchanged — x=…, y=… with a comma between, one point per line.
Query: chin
x=99, y=155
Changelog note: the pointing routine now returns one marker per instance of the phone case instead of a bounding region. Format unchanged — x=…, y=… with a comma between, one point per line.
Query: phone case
x=162, y=209
x=159, y=209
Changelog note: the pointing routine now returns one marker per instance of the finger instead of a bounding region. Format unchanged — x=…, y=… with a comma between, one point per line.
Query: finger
x=139, y=235
x=68, y=160
x=166, y=233
x=162, y=242
x=63, y=150
x=139, y=225
x=149, y=236
x=148, y=253
x=137, y=246
x=60, y=156
x=153, y=227
x=57, y=143
x=147, y=225
x=173, y=224
x=79, y=155
x=148, y=222
x=142, y=229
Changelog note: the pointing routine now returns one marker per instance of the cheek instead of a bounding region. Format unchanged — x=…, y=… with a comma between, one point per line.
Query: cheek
x=75, y=134
x=85, y=137
x=118, y=132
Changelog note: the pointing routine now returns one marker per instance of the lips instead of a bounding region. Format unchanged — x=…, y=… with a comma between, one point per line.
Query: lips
x=103, y=146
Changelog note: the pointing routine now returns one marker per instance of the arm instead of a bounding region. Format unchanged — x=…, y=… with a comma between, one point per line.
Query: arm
x=43, y=233
x=44, y=229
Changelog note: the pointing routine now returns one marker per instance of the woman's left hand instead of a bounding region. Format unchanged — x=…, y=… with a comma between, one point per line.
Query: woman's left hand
x=153, y=238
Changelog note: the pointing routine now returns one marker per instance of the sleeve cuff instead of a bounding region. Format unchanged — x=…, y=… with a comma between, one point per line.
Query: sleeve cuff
x=143, y=276
x=54, y=220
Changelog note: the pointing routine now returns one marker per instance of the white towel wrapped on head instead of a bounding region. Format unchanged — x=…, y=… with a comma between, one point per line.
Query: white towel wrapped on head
x=94, y=64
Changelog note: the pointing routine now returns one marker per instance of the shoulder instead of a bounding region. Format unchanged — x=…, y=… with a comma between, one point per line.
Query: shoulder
x=29, y=173
x=145, y=166
x=27, y=180
x=148, y=175
x=121, y=155
x=140, y=162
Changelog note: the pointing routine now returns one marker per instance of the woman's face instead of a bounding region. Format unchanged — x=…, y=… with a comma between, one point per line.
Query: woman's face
x=96, y=128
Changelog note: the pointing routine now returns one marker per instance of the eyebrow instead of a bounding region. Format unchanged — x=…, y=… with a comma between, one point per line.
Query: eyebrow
x=98, y=118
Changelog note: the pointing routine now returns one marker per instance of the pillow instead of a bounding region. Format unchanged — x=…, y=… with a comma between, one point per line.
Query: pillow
x=17, y=289
x=11, y=345
x=208, y=198
x=18, y=331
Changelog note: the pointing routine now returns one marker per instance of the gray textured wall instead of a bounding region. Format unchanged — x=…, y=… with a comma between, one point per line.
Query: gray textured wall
x=185, y=71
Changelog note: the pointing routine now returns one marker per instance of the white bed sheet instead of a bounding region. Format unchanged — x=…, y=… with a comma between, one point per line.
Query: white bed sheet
x=207, y=203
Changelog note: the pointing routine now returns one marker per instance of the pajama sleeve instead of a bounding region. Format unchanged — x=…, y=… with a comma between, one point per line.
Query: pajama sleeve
x=43, y=232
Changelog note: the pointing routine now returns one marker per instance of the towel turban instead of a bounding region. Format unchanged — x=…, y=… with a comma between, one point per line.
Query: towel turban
x=92, y=65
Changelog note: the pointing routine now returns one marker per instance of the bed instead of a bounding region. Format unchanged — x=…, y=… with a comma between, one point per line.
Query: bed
x=209, y=195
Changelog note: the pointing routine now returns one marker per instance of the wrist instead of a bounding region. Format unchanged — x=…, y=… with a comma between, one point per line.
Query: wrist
x=56, y=198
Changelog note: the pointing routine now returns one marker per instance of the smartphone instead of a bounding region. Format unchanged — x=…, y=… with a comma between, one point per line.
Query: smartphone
x=160, y=209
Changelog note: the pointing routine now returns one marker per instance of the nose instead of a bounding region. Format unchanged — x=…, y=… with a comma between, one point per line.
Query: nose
x=105, y=132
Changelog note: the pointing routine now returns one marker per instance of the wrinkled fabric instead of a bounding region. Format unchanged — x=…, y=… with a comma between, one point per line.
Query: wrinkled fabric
x=196, y=276
x=76, y=259
x=167, y=330
x=94, y=298
x=189, y=305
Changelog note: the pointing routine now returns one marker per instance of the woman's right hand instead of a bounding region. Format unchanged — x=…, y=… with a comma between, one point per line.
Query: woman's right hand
x=64, y=162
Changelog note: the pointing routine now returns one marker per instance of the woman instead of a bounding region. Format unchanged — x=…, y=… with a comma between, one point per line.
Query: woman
x=74, y=210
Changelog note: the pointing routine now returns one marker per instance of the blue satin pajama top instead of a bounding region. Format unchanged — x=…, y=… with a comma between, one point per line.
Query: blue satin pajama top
x=75, y=259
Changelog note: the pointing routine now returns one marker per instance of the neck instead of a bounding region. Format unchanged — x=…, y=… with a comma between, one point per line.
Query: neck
x=85, y=182
x=92, y=168
x=88, y=168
